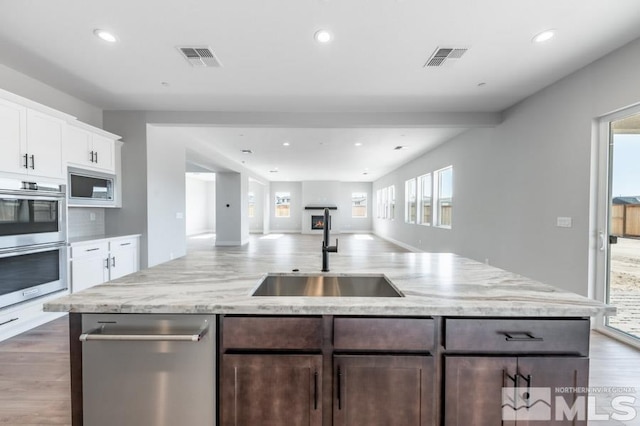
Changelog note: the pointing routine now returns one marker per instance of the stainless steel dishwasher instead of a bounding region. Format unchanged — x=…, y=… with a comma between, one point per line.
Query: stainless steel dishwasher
x=145, y=369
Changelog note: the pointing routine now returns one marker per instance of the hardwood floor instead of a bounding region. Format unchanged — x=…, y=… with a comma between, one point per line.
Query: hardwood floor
x=34, y=366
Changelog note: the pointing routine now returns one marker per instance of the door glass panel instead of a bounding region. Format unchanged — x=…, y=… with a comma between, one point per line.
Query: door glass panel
x=623, y=284
x=21, y=216
x=29, y=270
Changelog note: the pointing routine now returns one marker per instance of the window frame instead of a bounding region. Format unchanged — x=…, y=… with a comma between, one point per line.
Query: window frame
x=438, y=199
x=410, y=185
x=420, y=199
x=366, y=199
x=275, y=203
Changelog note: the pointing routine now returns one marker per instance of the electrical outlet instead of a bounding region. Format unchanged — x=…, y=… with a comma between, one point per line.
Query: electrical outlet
x=564, y=222
x=92, y=216
x=179, y=215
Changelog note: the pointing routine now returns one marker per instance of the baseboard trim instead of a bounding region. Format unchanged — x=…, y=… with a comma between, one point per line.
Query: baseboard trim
x=399, y=243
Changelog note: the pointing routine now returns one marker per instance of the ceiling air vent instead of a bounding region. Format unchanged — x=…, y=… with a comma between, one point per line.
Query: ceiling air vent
x=200, y=56
x=445, y=54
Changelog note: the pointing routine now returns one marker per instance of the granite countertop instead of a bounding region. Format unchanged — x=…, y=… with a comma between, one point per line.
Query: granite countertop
x=433, y=283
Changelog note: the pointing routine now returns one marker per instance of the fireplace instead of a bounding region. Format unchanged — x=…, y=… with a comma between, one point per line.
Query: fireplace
x=317, y=222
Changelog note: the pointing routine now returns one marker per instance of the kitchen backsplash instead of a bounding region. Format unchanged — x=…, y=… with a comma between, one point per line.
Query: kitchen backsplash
x=85, y=222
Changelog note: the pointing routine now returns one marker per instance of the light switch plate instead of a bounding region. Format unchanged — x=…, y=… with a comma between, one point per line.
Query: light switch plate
x=564, y=222
x=179, y=215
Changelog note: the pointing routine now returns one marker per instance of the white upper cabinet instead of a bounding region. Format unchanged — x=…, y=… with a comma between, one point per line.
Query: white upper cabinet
x=43, y=155
x=13, y=138
x=31, y=141
x=39, y=141
x=90, y=150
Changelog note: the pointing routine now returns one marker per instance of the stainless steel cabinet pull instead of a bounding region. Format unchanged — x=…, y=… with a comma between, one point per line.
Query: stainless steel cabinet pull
x=98, y=335
x=96, y=157
x=26, y=161
x=125, y=244
x=91, y=157
x=521, y=336
x=93, y=249
x=113, y=261
x=106, y=263
x=33, y=162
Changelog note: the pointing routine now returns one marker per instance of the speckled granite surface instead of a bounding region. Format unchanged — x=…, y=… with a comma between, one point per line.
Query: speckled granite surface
x=433, y=283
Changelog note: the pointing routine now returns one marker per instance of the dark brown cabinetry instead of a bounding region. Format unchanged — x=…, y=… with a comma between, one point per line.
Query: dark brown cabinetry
x=383, y=390
x=401, y=371
x=271, y=390
x=498, y=383
x=326, y=371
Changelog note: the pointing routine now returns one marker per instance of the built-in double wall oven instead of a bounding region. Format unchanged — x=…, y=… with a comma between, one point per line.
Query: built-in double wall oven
x=33, y=251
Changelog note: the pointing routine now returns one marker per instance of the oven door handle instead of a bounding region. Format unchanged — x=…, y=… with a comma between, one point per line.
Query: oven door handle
x=32, y=195
x=34, y=248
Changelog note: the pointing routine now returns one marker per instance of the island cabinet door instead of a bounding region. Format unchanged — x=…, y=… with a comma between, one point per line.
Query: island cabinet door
x=271, y=390
x=488, y=391
x=550, y=383
x=473, y=389
x=383, y=390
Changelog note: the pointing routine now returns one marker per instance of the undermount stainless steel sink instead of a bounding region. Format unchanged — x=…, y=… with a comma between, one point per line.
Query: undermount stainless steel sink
x=327, y=285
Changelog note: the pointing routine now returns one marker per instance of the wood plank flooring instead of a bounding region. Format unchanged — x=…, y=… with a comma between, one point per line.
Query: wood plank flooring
x=34, y=366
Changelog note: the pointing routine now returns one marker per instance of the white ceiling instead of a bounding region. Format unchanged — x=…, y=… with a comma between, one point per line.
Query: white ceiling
x=272, y=64
x=313, y=153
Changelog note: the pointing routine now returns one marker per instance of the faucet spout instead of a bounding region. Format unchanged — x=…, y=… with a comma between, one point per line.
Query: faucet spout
x=326, y=248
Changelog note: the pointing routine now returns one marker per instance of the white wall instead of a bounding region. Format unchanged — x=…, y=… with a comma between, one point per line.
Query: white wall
x=166, y=166
x=231, y=210
x=200, y=205
x=513, y=181
x=32, y=89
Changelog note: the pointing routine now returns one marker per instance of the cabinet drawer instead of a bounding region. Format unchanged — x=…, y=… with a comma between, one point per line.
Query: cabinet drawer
x=569, y=336
x=290, y=333
x=123, y=242
x=395, y=334
x=93, y=249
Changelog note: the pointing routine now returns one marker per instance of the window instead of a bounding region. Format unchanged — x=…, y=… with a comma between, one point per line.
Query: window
x=252, y=204
x=410, y=201
x=444, y=196
x=359, y=204
x=392, y=202
x=283, y=204
x=385, y=203
x=424, y=206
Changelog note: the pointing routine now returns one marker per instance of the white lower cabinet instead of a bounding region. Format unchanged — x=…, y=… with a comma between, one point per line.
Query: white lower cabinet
x=98, y=261
x=123, y=257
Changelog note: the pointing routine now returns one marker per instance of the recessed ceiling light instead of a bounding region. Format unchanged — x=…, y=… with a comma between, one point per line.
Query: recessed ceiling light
x=544, y=36
x=358, y=144
x=285, y=144
x=323, y=36
x=105, y=35
x=246, y=151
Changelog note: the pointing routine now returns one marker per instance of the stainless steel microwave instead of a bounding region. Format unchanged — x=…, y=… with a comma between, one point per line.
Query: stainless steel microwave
x=87, y=188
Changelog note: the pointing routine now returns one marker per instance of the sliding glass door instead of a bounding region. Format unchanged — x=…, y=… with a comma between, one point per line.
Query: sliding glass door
x=620, y=238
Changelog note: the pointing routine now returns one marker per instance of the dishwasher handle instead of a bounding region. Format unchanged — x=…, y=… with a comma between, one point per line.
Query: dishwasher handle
x=99, y=335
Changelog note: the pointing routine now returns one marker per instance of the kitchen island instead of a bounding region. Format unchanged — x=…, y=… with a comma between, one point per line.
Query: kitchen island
x=461, y=326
